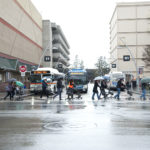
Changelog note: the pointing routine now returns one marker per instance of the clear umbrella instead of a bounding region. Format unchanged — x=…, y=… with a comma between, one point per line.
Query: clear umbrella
x=99, y=78
x=12, y=79
x=145, y=80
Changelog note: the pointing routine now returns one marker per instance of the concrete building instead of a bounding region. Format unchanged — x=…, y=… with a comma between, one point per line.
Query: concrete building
x=20, y=37
x=55, y=46
x=129, y=35
x=47, y=44
x=60, y=47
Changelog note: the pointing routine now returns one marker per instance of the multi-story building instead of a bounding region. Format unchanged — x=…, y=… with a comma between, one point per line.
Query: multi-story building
x=129, y=36
x=55, y=46
x=47, y=44
x=20, y=37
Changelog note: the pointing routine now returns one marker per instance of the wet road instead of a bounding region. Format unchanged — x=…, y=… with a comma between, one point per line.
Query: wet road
x=35, y=124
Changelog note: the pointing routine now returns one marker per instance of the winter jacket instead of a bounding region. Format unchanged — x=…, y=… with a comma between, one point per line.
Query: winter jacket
x=59, y=84
x=95, y=87
x=44, y=84
x=119, y=84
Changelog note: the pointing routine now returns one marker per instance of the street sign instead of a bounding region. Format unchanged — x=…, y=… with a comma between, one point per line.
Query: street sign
x=113, y=65
x=23, y=68
x=60, y=66
x=47, y=58
x=23, y=74
x=126, y=57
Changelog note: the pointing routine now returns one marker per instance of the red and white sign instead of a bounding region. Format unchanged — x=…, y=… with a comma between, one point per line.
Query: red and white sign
x=23, y=68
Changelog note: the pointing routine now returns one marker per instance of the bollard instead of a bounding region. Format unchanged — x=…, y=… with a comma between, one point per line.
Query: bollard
x=32, y=101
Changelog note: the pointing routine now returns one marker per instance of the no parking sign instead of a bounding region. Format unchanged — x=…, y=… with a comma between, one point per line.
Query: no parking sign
x=23, y=69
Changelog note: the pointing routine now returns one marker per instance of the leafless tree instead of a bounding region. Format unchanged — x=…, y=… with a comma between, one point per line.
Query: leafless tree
x=146, y=56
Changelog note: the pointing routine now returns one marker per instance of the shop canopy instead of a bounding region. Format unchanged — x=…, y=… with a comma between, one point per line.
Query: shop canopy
x=13, y=64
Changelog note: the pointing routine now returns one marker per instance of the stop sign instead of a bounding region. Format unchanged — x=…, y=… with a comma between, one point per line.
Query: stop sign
x=23, y=68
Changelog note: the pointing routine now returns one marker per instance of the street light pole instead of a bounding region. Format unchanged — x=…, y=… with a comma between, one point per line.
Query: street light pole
x=133, y=59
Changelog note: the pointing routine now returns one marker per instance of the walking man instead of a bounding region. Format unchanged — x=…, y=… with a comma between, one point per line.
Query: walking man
x=9, y=91
x=59, y=88
x=143, y=91
x=44, y=88
x=95, y=90
x=119, y=85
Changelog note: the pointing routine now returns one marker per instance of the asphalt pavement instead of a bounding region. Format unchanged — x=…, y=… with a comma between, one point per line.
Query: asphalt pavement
x=84, y=124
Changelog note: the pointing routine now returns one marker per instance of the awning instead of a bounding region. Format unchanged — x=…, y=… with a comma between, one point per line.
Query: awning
x=13, y=64
x=8, y=64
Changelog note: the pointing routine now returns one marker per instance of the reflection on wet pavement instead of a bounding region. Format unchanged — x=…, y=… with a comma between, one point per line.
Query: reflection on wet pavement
x=83, y=124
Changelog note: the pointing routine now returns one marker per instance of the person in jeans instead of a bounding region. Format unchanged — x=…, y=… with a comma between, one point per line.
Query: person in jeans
x=143, y=91
x=9, y=91
x=44, y=88
x=119, y=85
x=102, y=88
x=59, y=88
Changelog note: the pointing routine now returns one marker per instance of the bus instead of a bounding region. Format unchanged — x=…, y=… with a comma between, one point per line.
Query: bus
x=114, y=77
x=79, y=76
x=38, y=75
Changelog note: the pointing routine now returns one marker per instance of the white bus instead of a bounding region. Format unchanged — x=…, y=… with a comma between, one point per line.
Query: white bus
x=50, y=74
x=114, y=77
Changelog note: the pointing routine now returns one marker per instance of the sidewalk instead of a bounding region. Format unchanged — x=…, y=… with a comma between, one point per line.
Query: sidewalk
x=26, y=93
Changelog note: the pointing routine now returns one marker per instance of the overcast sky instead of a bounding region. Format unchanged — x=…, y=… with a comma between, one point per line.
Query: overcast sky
x=85, y=24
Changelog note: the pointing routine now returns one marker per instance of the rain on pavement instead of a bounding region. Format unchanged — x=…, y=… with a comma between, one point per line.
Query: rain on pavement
x=36, y=124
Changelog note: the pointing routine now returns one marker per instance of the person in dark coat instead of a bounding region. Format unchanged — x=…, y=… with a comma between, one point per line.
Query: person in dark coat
x=9, y=91
x=13, y=89
x=59, y=88
x=119, y=85
x=95, y=90
x=44, y=88
x=143, y=91
x=102, y=88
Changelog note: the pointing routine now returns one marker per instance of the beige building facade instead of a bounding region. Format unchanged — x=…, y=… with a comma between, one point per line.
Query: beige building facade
x=129, y=36
x=20, y=36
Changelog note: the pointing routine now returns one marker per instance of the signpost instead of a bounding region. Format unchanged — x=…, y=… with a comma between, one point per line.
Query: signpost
x=23, y=69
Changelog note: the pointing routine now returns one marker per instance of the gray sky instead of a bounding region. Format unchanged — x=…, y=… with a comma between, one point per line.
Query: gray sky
x=85, y=24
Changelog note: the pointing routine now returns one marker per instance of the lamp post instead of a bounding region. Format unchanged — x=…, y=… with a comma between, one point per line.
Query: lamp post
x=133, y=59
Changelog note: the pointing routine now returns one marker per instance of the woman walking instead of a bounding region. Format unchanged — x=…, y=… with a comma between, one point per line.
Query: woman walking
x=95, y=90
x=9, y=91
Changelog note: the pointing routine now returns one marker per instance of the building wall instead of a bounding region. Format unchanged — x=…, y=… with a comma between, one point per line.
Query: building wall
x=130, y=34
x=47, y=43
x=21, y=30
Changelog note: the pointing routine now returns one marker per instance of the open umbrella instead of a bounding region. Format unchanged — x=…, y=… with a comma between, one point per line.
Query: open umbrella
x=106, y=77
x=99, y=78
x=19, y=83
x=145, y=80
x=12, y=79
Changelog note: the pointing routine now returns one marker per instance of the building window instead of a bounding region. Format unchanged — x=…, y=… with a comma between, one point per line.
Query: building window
x=8, y=76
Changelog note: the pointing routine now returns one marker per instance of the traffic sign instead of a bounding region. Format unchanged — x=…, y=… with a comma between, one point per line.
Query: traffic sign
x=23, y=74
x=23, y=68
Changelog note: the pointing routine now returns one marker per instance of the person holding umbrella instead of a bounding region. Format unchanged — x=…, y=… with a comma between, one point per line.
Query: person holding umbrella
x=119, y=85
x=95, y=90
x=9, y=91
x=44, y=88
x=143, y=91
x=59, y=88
